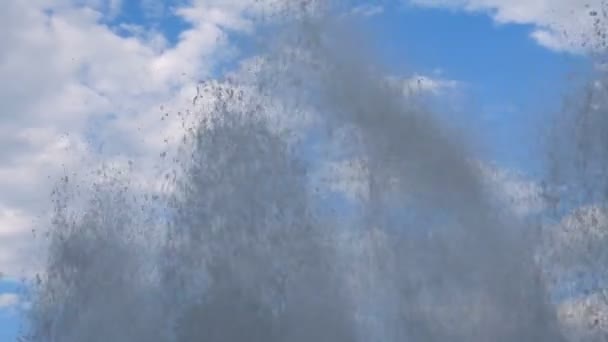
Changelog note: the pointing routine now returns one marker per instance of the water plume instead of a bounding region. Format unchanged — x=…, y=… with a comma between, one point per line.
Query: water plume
x=576, y=191
x=475, y=255
x=240, y=251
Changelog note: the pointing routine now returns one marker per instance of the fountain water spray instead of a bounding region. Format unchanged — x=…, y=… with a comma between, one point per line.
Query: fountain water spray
x=240, y=252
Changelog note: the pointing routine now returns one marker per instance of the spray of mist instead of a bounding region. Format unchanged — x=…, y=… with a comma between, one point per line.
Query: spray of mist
x=238, y=249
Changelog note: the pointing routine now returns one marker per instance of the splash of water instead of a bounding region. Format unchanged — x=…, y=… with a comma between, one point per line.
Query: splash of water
x=244, y=254
x=576, y=189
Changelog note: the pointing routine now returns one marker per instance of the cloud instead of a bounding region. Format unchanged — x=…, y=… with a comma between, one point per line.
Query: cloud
x=560, y=25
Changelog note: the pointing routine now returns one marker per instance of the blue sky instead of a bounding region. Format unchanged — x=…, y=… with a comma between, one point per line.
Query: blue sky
x=502, y=71
x=9, y=317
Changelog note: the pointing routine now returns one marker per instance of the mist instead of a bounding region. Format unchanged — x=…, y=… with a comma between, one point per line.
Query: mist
x=245, y=243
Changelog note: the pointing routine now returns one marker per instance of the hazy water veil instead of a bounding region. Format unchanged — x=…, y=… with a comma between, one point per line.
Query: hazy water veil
x=238, y=247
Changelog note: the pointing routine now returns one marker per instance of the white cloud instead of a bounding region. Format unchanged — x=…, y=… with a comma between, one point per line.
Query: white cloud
x=8, y=300
x=558, y=24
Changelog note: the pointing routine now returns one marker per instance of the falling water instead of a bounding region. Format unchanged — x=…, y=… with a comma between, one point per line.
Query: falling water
x=246, y=243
